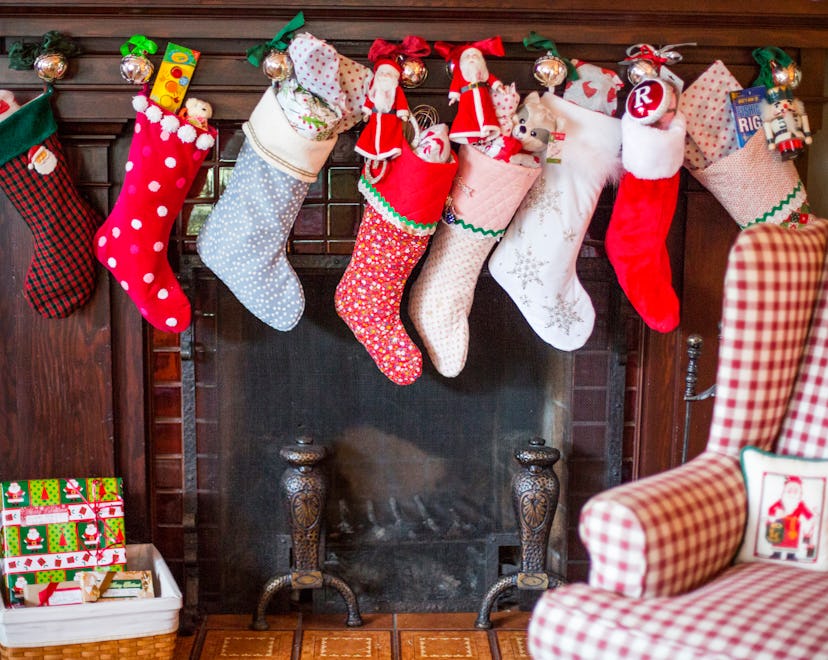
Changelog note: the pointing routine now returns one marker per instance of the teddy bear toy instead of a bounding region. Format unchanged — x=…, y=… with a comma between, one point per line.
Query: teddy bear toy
x=197, y=112
x=534, y=125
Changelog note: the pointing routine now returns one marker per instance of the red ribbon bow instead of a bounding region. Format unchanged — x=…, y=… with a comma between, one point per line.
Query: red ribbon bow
x=452, y=52
x=411, y=46
x=645, y=52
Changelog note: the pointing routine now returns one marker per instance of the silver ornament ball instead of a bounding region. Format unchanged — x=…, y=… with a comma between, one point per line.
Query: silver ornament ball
x=641, y=70
x=136, y=69
x=277, y=66
x=786, y=76
x=549, y=70
x=414, y=72
x=50, y=67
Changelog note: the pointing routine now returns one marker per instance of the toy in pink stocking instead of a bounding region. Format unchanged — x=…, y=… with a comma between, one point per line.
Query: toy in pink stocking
x=471, y=88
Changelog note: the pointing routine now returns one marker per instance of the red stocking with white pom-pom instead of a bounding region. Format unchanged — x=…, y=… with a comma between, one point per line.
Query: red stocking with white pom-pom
x=641, y=219
x=165, y=155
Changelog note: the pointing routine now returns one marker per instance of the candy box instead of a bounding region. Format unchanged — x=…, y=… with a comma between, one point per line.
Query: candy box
x=50, y=529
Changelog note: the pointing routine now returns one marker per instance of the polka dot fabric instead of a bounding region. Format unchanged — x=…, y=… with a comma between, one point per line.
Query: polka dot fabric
x=164, y=158
x=340, y=81
x=442, y=296
x=710, y=125
x=368, y=295
x=243, y=241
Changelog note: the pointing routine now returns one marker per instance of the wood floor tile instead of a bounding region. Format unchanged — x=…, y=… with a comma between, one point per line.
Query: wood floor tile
x=231, y=644
x=510, y=620
x=243, y=621
x=370, y=621
x=444, y=645
x=512, y=644
x=436, y=621
x=336, y=644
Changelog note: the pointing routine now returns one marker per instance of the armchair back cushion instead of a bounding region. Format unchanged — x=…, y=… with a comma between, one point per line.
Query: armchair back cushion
x=774, y=276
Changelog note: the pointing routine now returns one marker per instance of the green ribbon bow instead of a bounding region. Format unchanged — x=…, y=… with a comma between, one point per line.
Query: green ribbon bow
x=536, y=42
x=764, y=57
x=138, y=44
x=23, y=54
x=280, y=41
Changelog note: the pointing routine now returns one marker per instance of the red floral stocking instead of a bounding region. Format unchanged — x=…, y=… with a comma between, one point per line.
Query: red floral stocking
x=368, y=295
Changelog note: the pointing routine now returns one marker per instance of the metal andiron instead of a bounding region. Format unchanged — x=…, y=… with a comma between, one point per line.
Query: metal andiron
x=304, y=487
x=535, y=491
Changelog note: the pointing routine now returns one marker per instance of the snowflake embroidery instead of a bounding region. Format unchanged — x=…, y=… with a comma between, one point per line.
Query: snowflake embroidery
x=526, y=268
x=542, y=200
x=562, y=314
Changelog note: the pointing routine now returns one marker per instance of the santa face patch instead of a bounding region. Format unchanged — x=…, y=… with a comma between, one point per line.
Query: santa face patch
x=42, y=160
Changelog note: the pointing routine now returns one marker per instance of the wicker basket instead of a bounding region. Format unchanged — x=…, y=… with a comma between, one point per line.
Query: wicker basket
x=145, y=628
x=157, y=647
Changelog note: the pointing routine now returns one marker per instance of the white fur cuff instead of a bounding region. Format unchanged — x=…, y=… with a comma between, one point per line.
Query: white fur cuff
x=653, y=153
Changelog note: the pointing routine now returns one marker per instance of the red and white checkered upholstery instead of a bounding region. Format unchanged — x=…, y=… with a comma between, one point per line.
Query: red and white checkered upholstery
x=752, y=611
x=771, y=286
x=668, y=533
x=660, y=582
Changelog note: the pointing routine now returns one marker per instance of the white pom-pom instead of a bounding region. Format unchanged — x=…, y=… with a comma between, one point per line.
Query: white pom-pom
x=205, y=141
x=139, y=103
x=187, y=133
x=154, y=114
x=170, y=124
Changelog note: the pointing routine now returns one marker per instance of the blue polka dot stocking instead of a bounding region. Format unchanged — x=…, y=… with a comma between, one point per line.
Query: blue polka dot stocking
x=243, y=240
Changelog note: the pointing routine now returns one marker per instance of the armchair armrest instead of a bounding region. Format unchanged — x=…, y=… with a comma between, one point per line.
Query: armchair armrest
x=666, y=534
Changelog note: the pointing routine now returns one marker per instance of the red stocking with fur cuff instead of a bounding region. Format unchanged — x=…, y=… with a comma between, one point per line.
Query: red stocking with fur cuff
x=641, y=219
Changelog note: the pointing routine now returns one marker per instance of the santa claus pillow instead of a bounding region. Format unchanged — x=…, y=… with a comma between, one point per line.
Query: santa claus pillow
x=786, y=521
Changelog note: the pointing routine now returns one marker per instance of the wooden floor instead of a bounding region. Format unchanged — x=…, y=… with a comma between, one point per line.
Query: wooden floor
x=382, y=637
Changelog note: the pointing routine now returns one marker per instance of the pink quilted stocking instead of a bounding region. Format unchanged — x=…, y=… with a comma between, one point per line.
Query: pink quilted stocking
x=164, y=158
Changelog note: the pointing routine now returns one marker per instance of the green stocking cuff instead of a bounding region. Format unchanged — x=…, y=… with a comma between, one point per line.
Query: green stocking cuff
x=26, y=127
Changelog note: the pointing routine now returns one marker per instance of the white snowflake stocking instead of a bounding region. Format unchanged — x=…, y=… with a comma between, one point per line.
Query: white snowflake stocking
x=484, y=197
x=535, y=261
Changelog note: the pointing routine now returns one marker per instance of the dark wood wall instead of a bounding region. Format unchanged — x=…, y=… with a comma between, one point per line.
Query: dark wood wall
x=75, y=396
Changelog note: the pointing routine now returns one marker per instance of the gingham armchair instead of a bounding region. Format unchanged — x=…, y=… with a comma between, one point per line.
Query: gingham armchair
x=662, y=581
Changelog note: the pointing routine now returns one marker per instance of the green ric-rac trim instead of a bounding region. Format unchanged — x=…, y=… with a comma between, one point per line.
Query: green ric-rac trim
x=781, y=205
x=487, y=233
x=389, y=210
x=26, y=127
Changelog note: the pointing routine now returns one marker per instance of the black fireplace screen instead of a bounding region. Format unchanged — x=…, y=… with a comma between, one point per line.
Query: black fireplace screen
x=419, y=475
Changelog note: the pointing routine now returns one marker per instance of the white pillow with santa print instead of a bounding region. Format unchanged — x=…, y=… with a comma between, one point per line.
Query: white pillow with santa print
x=786, y=520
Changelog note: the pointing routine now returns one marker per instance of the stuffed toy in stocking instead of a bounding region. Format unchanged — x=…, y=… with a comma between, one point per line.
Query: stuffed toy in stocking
x=535, y=262
x=752, y=183
x=402, y=211
x=36, y=179
x=471, y=88
x=288, y=138
x=484, y=197
x=164, y=158
x=642, y=214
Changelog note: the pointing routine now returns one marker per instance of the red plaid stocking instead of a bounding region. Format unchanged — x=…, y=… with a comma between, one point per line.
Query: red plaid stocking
x=35, y=177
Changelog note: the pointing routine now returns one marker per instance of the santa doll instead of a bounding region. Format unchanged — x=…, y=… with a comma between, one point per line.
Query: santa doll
x=471, y=86
x=385, y=107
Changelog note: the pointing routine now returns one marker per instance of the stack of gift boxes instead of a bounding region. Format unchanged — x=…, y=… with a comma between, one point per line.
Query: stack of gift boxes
x=63, y=542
